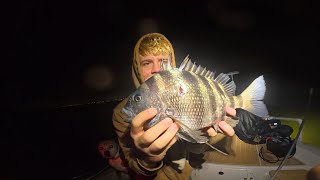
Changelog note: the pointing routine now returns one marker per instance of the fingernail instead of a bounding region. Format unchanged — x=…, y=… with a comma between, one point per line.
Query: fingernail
x=174, y=126
x=222, y=124
x=167, y=121
x=230, y=111
x=152, y=111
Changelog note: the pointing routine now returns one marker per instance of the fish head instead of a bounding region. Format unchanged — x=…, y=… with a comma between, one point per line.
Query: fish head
x=139, y=101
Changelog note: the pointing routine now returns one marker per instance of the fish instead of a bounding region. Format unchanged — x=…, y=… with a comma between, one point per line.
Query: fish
x=194, y=98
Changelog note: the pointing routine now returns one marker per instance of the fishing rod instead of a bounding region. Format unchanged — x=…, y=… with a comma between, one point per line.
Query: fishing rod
x=117, y=98
x=102, y=101
x=297, y=136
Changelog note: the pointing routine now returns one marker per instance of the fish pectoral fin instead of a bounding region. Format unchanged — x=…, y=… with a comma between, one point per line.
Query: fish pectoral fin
x=128, y=120
x=195, y=136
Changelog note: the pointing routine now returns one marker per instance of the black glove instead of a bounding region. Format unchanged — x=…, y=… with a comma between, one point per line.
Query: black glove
x=251, y=129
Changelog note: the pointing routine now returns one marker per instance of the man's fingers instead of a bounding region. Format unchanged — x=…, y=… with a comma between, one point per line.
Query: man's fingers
x=153, y=133
x=211, y=132
x=138, y=122
x=226, y=128
x=230, y=111
x=164, y=140
x=173, y=140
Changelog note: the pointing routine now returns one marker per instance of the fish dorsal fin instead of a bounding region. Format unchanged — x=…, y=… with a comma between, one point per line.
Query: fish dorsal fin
x=166, y=65
x=184, y=63
x=188, y=65
x=222, y=79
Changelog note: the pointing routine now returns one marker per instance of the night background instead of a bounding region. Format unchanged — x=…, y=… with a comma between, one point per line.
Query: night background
x=65, y=53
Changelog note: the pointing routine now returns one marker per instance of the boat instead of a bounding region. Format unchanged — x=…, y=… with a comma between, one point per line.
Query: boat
x=246, y=162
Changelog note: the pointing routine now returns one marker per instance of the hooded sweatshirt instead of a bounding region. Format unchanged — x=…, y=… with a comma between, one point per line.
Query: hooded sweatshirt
x=174, y=165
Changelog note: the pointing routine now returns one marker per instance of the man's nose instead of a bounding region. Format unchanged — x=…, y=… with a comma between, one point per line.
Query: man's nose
x=156, y=67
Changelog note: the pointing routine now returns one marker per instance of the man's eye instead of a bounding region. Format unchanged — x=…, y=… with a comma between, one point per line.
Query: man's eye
x=145, y=64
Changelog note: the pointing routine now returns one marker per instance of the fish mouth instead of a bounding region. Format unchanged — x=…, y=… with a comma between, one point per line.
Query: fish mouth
x=129, y=113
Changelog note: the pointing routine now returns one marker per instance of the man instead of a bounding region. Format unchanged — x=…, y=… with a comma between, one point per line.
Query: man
x=154, y=153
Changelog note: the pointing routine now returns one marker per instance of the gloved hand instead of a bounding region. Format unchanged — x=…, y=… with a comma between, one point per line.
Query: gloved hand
x=251, y=128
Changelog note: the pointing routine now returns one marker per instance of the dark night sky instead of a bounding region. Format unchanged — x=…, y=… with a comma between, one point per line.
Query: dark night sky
x=56, y=44
x=59, y=52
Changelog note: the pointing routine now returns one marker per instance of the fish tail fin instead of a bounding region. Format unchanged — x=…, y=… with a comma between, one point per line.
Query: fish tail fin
x=252, y=98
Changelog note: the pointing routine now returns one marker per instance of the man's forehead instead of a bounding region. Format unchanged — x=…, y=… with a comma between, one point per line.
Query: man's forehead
x=150, y=57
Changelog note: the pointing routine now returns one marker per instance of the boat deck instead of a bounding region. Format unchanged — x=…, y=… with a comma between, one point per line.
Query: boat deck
x=241, y=153
x=244, y=161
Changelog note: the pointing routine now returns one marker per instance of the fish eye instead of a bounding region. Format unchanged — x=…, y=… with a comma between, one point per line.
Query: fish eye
x=137, y=98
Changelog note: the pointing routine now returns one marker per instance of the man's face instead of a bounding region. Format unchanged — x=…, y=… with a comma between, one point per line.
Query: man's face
x=151, y=65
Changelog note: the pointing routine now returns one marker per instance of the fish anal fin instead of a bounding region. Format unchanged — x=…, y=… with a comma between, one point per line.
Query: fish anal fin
x=194, y=136
x=214, y=148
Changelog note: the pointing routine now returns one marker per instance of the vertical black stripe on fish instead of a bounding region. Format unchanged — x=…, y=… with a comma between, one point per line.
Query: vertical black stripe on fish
x=190, y=103
x=203, y=108
x=152, y=84
x=220, y=100
x=172, y=98
x=219, y=88
x=162, y=84
x=210, y=93
x=231, y=99
x=217, y=98
x=240, y=99
x=171, y=93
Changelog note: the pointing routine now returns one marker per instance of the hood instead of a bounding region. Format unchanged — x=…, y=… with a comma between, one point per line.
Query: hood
x=152, y=43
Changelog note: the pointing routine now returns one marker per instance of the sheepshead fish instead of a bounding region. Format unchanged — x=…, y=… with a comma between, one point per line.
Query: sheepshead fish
x=194, y=98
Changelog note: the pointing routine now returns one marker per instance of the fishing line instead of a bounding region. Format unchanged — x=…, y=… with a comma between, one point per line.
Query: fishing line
x=108, y=100
x=92, y=176
x=99, y=172
x=290, y=150
x=297, y=136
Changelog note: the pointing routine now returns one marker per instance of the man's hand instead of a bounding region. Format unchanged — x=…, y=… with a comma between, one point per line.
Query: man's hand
x=226, y=128
x=156, y=141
